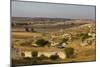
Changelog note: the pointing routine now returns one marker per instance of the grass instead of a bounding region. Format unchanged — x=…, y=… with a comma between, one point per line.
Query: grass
x=83, y=53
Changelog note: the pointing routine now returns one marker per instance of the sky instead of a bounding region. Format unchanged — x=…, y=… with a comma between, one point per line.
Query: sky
x=51, y=10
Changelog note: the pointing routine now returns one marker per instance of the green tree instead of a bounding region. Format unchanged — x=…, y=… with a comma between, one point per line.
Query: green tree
x=22, y=54
x=69, y=52
x=84, y=36
x=42, y=57
x=34, y=54
x=54, y=57
x=65, y=40
x=41, y=42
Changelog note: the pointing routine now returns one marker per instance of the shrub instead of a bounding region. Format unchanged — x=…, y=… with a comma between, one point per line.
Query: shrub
x=27, y=58
x=42, y=57
x=69, y=52
x=34, y=54
x=41, y=42
x=54, y=57
x=64, y=39
x=84, y=36
x=22, y=54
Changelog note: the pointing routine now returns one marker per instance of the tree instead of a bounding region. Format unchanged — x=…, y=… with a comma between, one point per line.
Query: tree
x=69, y=52
x=84, y=36
x=22, y=54
x=27, y=58
x=26, y=29
x=32, y=30
x=34, y=54
x=42, y=57
x=41, y=42
x=65, y=40
x=54, y=57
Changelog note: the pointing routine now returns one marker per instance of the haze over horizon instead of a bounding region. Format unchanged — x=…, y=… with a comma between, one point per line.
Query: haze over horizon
x=52, y=10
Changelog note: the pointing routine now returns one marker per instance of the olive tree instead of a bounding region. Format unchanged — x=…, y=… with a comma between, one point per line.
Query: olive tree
x=41, y=42
x=69, y=52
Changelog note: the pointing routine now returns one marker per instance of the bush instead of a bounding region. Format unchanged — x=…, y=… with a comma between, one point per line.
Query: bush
x=41, y=42
x=65, y=40
x=43, y=57
x=34, y=54
x=84, y=36
x=54, y=57
x=27, y=58
x=69, y=52
x=22, y=54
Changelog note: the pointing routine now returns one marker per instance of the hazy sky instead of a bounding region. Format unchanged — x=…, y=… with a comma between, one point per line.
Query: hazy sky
x=34, y=9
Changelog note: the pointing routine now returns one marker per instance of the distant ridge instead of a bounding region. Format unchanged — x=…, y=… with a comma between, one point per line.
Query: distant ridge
x=46, y=18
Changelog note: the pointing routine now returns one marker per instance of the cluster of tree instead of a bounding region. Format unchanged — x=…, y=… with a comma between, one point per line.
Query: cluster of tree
x=42, y=42
x=84, y=36
x=42, y=57
x=70, y=53
x=29, y=29
x=54, y=57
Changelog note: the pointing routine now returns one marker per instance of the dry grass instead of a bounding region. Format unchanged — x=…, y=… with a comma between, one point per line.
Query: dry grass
x=24, y=34
x=83, y=53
